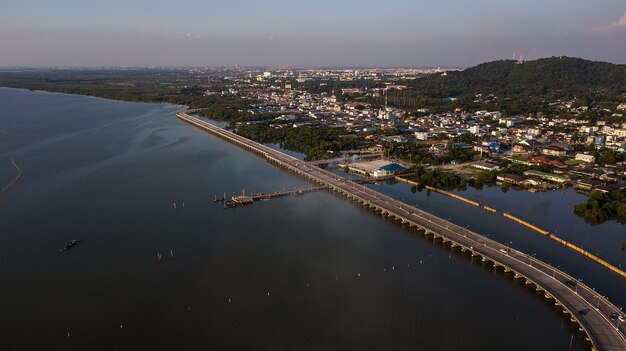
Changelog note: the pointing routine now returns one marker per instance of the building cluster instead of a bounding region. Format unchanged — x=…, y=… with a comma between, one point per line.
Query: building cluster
x=327, y=97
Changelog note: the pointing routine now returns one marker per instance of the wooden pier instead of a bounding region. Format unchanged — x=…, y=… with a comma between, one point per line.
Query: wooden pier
x=243, y=199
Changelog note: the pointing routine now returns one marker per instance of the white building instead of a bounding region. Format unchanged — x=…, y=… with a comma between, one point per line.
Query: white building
x=494, y=114
x=486, y=166
x=421, y=135
x=586, y=158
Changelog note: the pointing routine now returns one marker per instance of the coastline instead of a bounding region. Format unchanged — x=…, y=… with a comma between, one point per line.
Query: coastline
x=95, y=96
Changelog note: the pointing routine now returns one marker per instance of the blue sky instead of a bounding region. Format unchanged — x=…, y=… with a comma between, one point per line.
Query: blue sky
x=345, y=33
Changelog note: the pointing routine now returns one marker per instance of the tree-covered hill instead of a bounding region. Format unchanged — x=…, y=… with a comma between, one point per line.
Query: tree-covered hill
x=563, y=76
x=523, y=88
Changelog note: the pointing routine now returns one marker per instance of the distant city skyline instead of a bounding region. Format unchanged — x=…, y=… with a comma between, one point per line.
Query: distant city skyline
x=395, y=33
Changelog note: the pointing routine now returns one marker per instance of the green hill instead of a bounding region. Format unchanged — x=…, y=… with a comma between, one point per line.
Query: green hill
x=560, y=75
x=520, y=88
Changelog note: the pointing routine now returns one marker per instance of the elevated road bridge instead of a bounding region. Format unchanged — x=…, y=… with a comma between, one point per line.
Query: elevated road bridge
x=584, y=306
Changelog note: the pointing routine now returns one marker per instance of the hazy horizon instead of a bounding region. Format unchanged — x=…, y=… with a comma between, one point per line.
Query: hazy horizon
x=259, y=67
x=273, y=33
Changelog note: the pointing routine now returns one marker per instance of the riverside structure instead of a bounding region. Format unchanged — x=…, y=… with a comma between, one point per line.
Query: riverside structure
x=585, y=306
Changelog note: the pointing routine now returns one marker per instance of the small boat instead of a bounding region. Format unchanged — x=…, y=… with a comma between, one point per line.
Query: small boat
x=71, y=244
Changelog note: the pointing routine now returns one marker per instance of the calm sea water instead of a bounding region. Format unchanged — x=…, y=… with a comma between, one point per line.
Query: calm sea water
x=309, y=272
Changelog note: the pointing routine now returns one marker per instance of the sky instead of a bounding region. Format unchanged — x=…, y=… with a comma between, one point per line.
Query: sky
x=321, y=33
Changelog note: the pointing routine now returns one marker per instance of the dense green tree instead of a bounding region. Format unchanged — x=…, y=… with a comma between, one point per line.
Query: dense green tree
x=316, y=142
x=526, y=88
x=603, y=206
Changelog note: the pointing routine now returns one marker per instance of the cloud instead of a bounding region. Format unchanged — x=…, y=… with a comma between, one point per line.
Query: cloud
x=619, y=25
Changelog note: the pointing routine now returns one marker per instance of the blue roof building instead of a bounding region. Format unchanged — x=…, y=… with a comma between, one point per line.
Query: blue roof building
x=392, y=167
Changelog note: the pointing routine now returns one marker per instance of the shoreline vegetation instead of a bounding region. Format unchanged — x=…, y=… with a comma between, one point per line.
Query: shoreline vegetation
x=316, y=142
